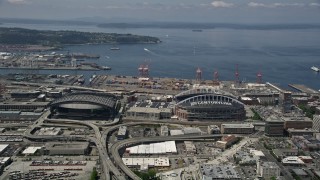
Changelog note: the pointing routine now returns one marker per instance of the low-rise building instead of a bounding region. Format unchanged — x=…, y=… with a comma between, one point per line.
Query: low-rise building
x=145, y=163
x=300, y=173
x=267, y=170
x=226, y=141
x=306, y=159
x=31, y=150
x=292, y=161
x=192, y=131
x=300, y=132
x=190, y=147
x=282, y=153
x=299, y=122
x=122, y=133
x=70, y=148
x=164, y=131
x=168, y=147
x=307, y=143
x=247, y=128
x=176, y=132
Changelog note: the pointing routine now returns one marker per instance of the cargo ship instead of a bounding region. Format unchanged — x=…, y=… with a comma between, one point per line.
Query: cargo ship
x=315, y=68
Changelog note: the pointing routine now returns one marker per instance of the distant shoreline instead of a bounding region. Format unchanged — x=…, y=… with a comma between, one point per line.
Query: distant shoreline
x=16, y=37
x=54, y=68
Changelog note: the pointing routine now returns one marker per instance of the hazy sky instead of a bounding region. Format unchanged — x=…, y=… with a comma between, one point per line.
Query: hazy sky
x=229, y=11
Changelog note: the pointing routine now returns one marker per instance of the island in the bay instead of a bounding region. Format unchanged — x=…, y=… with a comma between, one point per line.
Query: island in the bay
x=14, y=36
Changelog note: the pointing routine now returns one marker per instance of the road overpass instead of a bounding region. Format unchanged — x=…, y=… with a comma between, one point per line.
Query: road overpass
x=118, y=160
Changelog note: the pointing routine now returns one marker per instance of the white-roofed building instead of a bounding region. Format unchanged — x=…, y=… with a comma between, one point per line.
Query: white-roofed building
x=31, y=150
x=154, y=148
x=3, y=147
x=292, y=161
x=176, y=132
x=144, y=163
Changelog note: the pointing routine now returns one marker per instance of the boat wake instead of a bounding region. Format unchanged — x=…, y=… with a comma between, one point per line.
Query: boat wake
x=150, y=52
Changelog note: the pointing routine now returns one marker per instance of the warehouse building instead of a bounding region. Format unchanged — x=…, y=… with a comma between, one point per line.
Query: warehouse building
x=70, y=148
x=145, y=163
x=149, y=110
x=247, y=128
x=168, y=147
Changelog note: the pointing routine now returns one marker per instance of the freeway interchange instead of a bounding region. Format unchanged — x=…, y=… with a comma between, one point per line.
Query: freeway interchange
x=113, y=167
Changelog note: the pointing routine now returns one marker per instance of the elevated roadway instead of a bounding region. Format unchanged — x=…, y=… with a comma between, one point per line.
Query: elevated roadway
x=118, y=160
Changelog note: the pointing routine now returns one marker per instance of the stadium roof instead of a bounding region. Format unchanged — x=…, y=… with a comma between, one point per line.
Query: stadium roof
x=88, y=99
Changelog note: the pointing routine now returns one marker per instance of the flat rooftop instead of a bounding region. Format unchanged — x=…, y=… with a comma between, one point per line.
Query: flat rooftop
x=247, y=125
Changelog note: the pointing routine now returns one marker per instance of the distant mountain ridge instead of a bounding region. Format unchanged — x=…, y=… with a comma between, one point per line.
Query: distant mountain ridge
x=139, y=23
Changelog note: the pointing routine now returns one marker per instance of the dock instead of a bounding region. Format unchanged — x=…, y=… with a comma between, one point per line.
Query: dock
x=304, y=89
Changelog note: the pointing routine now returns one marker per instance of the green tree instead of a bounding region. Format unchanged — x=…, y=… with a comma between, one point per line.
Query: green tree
x=94, y=174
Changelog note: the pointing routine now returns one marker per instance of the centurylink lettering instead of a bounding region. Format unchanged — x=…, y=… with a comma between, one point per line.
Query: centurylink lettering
x=210, y=103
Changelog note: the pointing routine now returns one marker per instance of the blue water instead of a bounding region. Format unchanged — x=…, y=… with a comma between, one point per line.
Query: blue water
x=283, y=56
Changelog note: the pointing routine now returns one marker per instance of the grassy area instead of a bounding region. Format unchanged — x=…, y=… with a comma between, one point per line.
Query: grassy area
x=308, y=112
x=94, y=174
x=256, y=116
x=150, y=174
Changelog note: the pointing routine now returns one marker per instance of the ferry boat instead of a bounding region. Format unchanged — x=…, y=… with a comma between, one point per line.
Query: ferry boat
x=315, y=68
x=114, y=48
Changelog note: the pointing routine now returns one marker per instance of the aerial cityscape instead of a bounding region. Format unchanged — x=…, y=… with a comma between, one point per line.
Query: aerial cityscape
x=145, y=90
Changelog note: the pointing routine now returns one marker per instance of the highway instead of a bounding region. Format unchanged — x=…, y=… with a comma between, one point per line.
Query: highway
x=103, y=155
x=101, y=140
x=118, y=160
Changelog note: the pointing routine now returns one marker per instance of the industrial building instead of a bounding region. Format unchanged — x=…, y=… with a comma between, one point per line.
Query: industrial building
x=267, y=170
x=122, y=133
x=85, y=105
x=145, y=163
x=149, y=110
x=213, y=171
x=70, y=148
x=31, y=150
x=210, y=107
x=154, y=148
x=24, y=94
x=23, y=106
x=19, y=116
x=247, y=128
